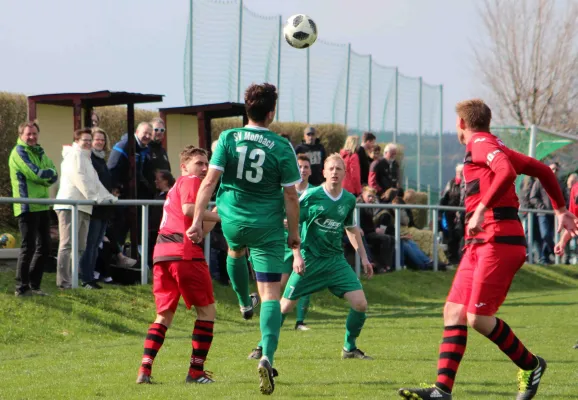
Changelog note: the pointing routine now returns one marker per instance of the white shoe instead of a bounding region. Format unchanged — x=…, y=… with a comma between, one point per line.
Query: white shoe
x=302, y=327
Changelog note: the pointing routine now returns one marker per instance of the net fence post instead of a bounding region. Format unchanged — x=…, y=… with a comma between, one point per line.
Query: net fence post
x=308, y=82
x=144, y=264
x=530, y=224
x=369, y=94
x=440, y=141
x=419, y=132
x=347, y=83
x=533, y=134
x=279, y=62
x=191, y=52
x=396, y=107
x=239, y=53
x=556, y=240
x=429, y=203
x=74, y=232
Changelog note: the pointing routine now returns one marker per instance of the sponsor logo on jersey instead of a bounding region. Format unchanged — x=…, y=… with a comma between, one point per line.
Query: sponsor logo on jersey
x=341, y=209
x=491, y=156
x=479, y=140
x=328, y=223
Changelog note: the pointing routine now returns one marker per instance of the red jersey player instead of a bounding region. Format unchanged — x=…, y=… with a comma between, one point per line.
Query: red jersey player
x=495, y=250
x=180, y=270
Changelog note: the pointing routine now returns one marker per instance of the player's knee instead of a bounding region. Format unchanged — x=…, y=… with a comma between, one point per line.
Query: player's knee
x=206, y=313
x=454, y=314
x=359, y=305
x=287, y=305
x=165, y=318
x=481, y=323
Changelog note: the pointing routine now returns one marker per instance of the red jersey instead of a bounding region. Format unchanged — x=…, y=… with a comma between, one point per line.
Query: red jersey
x=172, y=241
x=490, y=169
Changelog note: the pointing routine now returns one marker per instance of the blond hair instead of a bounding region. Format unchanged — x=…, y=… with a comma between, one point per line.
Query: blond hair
x=351, y=143
x=334, y=157
x=476, y=114
x=96, y=130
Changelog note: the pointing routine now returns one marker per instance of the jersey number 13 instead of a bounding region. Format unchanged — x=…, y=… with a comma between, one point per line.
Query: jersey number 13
x=254, y=172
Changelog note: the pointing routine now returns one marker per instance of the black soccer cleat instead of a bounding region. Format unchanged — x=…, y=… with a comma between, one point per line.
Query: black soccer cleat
x=432, y=392
x=256, y=354
x=528, y=381
x=266, y=377
x=207, y=377
x=358, y=354
x=248, y=312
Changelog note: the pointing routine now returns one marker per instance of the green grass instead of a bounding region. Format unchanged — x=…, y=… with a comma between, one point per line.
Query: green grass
x=87, y=344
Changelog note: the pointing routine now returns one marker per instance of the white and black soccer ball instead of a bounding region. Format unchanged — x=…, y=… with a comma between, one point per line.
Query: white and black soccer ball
x=300, y=31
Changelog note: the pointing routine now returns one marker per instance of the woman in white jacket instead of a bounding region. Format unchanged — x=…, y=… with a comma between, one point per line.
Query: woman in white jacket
x=78, y=181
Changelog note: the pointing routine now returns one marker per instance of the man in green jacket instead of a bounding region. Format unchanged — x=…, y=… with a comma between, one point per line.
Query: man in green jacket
x=31, y=174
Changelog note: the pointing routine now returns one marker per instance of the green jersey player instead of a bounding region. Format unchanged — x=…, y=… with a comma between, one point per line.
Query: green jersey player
x=303, y=303
x=255, y=164
x=325, y=212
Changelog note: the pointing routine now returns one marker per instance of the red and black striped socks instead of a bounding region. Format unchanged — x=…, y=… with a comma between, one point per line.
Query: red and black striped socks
x=153, y=342
x=451, y=352
x=202, y=339
x=507, y=341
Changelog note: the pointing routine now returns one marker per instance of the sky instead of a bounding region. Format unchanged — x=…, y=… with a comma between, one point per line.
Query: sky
x=138, y=45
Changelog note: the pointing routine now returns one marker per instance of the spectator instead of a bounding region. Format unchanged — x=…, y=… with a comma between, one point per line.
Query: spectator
x=352, y=182
x=119, y=165
x=381, y=244
x=540, y=200
x=365, y=154
x=454, y=232
x=164, y=181
x=31, y=174
x=158, y=157
x=313, y=148
x=79, y=181
x=384, y=173
x=375, y=156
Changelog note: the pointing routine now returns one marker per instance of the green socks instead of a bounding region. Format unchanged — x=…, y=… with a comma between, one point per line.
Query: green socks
x=239, y=274
x=283, y=316
x=353, y=325
x=270, y=321
x=302, y=308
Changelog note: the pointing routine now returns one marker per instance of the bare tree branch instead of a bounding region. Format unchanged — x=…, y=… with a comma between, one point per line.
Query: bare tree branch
x=529, y=61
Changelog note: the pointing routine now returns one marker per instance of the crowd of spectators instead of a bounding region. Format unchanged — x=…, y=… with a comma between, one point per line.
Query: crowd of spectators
x=86, y=174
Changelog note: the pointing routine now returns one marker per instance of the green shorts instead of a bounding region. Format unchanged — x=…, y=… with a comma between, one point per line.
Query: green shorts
x=288, y=261
x=333, y=273
x=266, y=245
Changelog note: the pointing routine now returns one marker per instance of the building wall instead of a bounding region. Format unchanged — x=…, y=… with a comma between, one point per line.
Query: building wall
x=182, y=130
x=56, y=129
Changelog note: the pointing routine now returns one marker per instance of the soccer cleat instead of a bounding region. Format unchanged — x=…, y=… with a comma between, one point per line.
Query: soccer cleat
x=300, y=326
x=576, y=346
x=266, y=376
x=248, y=312
x=256, y=354
x=528, y=381
x=143, y=378
x=360, y=355
x=206, y=377
x=432, y=392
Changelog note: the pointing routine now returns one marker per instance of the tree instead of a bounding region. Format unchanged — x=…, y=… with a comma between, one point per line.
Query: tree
x=529, y=61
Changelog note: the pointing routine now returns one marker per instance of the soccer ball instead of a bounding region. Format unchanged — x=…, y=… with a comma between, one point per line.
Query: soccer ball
x=7, y=241
x=300, y=31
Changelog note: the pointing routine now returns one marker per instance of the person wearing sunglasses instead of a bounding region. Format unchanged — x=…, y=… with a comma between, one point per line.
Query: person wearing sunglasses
x=158, y=158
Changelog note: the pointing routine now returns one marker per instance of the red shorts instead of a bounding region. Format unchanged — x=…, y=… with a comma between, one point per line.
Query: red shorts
x=485, y=275
x=190, y=279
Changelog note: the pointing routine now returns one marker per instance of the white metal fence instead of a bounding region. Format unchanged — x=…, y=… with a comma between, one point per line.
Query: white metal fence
x=145, y=204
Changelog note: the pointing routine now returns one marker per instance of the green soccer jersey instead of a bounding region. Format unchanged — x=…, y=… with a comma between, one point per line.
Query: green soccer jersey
x=300, y=193
x=255, y=163
x=323, y=219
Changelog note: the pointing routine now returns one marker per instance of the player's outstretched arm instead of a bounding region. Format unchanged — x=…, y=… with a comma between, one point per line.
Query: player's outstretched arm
x=532, y=167
x=195, y=232
x=354, y=235
x=292, y=210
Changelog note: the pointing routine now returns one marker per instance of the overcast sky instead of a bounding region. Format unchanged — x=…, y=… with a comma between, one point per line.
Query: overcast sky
x=138, y=45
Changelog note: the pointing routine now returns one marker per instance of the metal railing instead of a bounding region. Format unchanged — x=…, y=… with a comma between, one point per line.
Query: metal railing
x=145, y=204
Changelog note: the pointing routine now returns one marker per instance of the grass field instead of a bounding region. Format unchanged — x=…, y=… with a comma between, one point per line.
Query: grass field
x=87, y=344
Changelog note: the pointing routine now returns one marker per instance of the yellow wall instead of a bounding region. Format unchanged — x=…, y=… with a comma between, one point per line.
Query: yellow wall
x=56, y=129
x=182, y=130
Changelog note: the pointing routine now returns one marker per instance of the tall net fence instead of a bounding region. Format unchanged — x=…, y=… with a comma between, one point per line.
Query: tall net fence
x=327, y=83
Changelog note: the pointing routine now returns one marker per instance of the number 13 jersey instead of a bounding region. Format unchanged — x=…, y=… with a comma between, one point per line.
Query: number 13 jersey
x=255, y=163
